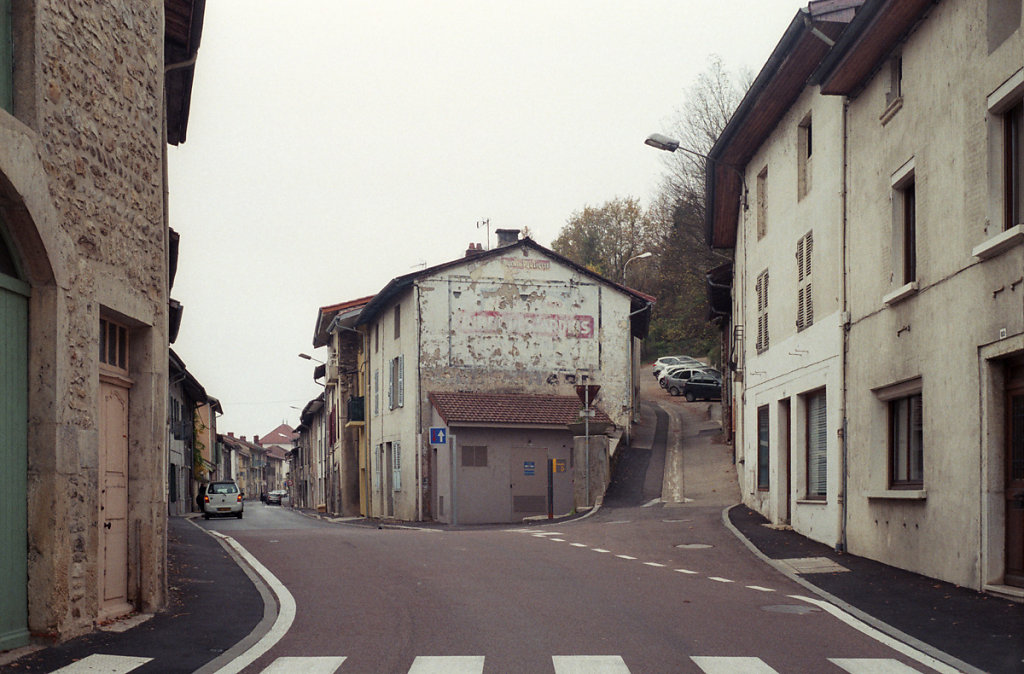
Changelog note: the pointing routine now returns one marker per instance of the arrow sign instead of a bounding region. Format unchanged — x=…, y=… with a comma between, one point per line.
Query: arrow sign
x=438, y=435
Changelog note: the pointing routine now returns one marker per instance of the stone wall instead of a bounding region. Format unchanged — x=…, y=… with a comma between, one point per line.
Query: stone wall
x=83, y=162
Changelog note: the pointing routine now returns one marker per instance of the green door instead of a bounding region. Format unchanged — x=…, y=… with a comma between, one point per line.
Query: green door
x=13, y=460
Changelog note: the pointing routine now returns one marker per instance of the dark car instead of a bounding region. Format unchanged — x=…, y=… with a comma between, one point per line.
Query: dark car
x=276, y=496
x=702, y=387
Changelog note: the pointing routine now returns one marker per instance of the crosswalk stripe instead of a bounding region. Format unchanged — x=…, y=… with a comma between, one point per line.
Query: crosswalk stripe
x=447, y=664
x=105, y=664
x=589, y=664
x=872, y=666
x=725, y=665
x=307, y=665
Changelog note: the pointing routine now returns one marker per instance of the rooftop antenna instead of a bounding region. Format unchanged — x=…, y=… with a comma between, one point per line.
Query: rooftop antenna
x=486, y=223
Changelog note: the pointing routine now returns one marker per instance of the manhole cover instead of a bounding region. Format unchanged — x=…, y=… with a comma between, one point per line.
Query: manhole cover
x=813, y=565
x=694, y=546
x=791, y=609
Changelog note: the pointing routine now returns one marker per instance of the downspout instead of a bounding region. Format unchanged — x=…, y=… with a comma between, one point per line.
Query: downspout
x=845, y=329
x=419, y=405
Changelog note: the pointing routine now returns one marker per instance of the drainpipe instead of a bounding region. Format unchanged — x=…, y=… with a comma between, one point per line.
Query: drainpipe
x=419, y=406
x=845, y=329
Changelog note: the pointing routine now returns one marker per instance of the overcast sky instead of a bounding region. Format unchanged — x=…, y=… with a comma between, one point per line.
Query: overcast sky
x=334, y=145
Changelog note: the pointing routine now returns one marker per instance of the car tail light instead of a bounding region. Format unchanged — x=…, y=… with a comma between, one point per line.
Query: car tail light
x=239, y=498
x=206, y=498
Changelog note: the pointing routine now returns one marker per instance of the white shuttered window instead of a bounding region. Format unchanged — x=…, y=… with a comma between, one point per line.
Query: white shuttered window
x=817, y=445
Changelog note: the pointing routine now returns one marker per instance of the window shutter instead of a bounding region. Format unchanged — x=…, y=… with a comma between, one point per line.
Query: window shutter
x=401, y=380
x=800, y=259
x=376, y=392
x=396, y=473
x=391, y=386
x=808, y=306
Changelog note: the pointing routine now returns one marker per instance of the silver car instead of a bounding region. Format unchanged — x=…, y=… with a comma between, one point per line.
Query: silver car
x=223, y=499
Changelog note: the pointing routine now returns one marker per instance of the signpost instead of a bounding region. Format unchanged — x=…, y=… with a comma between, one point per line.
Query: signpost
x=586, y=393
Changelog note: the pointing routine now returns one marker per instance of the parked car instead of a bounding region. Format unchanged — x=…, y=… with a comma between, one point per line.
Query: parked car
x=223, y=499
x=682, y=372
x=702, y=387
x=665, y=362
x=276, y=496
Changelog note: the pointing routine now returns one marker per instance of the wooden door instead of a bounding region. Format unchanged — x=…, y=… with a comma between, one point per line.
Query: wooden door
x=13, y=461
x=528, y=482
x=113, y=517
x=1014, y=491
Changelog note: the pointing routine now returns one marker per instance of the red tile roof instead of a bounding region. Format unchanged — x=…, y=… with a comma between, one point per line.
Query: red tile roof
x=498, y=409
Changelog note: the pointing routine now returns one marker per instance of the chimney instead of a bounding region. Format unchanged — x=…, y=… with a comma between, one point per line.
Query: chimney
x=231, y=434
x=243, y=439
x=474, y=249
x=506, y=237
x=256, y=440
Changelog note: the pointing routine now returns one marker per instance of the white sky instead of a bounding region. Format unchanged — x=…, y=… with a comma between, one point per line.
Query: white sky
x=334, y=145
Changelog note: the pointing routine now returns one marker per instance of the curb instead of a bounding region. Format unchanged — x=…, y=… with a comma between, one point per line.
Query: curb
x=853, y=611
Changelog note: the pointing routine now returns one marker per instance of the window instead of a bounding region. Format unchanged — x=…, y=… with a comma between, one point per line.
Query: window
x=762, y=311
x=763, y=449
x=376, y=337
x=817, y=445
x=904, y=204
x=762, y=203
x=804, y=149
x=396, y=383
x=474, y=456
x=895, y=92
x=376, y=391
x=113, y=345
x=1013, y=166
x=804, y=301
x=398, y=321
x=906, y=445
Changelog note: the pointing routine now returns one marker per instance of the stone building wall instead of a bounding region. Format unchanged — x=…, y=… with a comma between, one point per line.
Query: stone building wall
x=83, y=182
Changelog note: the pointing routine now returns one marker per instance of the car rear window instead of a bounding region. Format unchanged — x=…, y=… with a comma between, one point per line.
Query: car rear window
x=223, y=489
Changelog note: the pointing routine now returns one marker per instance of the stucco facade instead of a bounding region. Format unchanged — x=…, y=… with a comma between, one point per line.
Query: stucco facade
x=918, y=332
x=82, y=217
x=945, y=331
x=516, y=319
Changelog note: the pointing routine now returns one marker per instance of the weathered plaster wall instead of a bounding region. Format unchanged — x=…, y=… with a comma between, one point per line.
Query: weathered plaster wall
x=941, y=332
x=797, y=361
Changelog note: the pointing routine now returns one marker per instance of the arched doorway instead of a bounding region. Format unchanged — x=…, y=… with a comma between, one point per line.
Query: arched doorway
x=14, y=293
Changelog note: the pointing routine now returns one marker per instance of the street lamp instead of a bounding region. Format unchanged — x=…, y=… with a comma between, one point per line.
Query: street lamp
x=306, y=356
x=641, y=256
x=662, y=142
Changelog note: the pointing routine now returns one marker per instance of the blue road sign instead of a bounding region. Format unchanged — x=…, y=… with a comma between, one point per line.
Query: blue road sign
x=438, y=435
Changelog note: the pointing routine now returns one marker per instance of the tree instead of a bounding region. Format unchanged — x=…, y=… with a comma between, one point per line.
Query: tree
x=680, y=316
x=603, y=238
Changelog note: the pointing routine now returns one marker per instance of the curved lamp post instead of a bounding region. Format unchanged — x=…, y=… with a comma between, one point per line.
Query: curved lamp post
x=663, y=142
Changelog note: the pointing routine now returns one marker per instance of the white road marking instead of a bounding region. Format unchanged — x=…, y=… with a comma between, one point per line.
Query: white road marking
x=447, y=664
x=306, y=665
x=879, y=636
x=600, y=550
x=285, y=614
x=686, y=571
x=760, y=589
x=589, y=664
x=625, y=557
x=542, y=534
x=872, y=666
x=719, y=579
x=654, y=501
x=662, y=566
x=103, y=664
x=726, y=665
x=579, y=545
x=558, y=540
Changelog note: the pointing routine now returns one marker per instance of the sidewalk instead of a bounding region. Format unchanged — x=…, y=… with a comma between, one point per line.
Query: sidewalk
x=971, y=631
x=212, y=606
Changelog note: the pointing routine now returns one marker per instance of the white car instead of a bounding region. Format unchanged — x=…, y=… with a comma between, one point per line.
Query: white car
x=673, y=361
x=223, y=499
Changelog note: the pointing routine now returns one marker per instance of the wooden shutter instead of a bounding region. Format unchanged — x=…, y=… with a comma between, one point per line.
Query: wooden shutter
x=396, y=466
